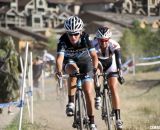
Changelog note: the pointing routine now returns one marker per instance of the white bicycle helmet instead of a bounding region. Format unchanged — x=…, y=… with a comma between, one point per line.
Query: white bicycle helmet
x=103, y=33
x=73, y=24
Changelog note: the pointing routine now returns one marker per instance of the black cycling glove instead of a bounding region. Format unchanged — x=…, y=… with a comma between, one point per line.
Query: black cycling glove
x=120, y=77
x=121, y=80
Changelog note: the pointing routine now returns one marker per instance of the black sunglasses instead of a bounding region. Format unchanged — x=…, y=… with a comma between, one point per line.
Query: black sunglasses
x=73, y=34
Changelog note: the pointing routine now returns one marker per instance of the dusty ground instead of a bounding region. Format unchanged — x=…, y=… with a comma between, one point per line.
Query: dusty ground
x=49, y=114
x=5, y=118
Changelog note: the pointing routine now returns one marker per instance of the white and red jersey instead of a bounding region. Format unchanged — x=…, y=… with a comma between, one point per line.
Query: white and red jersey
x=111, y=47
x=107, y=60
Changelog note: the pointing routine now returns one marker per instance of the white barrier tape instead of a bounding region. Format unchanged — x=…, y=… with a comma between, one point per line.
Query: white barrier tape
x=148, y=63
x=127, y=62
x=150, y=58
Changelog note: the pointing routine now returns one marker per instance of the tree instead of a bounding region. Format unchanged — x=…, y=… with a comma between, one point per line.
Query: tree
x=141, y=42
x=52, y=41
x=129, y=44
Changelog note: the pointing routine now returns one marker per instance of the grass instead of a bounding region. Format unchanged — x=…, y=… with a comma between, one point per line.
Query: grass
x=140, y=101
x=26, y=125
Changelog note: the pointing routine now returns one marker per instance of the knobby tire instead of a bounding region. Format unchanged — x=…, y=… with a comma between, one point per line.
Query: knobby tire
x=107, y=109
x=80, y=108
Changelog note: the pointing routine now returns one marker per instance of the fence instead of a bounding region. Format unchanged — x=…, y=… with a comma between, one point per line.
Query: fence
x=130, y=65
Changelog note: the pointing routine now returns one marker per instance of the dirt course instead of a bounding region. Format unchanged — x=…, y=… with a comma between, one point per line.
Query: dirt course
x=49, y=114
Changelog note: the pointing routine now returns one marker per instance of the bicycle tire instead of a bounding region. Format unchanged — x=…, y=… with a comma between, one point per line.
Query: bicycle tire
x=81, y=121
x=80, y=108
x=78, y=120
x=106, y=109
x=112, y=115
x=84, y=112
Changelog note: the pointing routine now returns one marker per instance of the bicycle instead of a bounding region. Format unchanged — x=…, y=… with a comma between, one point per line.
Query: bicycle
x=107, y=112
x=81, y=120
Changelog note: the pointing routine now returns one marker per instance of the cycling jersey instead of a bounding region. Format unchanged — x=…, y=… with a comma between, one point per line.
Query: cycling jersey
x=108, y=59
x=78, y=54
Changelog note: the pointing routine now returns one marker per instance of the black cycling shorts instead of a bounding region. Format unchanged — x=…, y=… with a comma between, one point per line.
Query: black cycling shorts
x=84, y=66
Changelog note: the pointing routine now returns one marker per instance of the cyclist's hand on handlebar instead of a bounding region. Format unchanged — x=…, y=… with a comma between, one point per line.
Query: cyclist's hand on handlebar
x=121, y=80
x=58, y=75
x=96, y=80
x=120, y=77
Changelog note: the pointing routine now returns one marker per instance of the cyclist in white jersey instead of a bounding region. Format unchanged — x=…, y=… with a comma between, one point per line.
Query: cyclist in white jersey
x=108, y=51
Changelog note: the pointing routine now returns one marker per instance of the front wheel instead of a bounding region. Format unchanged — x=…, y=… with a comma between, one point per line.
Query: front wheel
x=80, y=109
x=80, y=117
x=107, y=115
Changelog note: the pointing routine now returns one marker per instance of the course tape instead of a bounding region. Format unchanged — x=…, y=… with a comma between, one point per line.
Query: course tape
x=18, y=104
x=149, y=58
x=149, y=63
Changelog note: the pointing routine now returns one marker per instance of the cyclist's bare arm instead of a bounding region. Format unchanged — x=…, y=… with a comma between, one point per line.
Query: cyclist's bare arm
x=94, y=56
x=59, y=62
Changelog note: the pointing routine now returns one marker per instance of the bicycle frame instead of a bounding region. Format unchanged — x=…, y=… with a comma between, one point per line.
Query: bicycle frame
x=81, y=120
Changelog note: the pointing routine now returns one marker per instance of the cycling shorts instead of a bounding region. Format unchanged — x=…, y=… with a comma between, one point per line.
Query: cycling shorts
x=82, y=69
x=109, y=66
x=84, y=66
x=83, y=61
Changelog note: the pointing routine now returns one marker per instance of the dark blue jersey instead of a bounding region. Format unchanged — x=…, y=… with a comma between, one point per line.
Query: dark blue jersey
x=79, y=51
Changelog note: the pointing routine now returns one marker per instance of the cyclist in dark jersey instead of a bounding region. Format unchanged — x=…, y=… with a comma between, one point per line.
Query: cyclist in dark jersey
x=76, y=54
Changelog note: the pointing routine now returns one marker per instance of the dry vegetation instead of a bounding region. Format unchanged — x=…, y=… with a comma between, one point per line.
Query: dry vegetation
x=140, y=101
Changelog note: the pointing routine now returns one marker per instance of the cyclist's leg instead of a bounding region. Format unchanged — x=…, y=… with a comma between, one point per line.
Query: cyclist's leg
x=88, y=90
x=113, y=84
x=98, y=88
x=71, y=68
x=88, y=87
